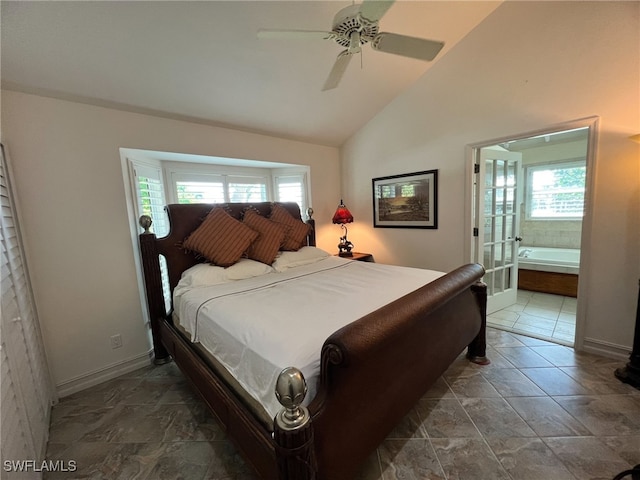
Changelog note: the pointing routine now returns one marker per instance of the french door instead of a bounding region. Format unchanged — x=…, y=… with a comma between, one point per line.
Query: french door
x=497, y=223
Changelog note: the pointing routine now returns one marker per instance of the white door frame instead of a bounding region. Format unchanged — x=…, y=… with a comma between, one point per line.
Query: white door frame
x=587, y=227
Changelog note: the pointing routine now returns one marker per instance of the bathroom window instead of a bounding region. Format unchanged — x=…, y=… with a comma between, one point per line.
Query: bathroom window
x=556, y=191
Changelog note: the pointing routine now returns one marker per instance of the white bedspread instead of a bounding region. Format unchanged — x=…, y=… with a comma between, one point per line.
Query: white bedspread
x=258, y=326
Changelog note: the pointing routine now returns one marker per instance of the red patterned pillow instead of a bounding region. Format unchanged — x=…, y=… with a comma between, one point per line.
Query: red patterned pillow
x=296, y=230
x=264, y=248
x=220, y=238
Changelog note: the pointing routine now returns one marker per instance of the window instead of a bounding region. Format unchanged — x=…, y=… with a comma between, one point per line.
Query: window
x=149, y=191
x=150, y=196
x=213, y=188
x=153, y=183
x=200, y=192
x=247, y=189
x=556, y=191
x=292, y=188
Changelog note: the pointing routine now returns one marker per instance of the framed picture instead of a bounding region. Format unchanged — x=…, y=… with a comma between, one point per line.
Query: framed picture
x=406, y=201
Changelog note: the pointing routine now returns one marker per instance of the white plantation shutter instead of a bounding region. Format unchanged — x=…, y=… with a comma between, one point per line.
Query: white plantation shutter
x=247, y=188
x=27, y=390
x=200, y=192
x=150, y=200
x=291, y=188
x=150, y=197
x=215, y=188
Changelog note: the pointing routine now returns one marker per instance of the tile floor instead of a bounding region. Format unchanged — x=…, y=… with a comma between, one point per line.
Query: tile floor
x=545, y=316
x=539, y=411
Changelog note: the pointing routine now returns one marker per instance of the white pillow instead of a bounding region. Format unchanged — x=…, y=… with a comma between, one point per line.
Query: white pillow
x=204, y=274
x=246, y=268
x=304, y=256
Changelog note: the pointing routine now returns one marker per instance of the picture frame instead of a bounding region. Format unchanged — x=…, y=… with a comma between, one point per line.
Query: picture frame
x=406, y=201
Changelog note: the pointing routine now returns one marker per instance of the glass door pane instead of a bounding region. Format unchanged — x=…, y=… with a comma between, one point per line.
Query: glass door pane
x=499, y=210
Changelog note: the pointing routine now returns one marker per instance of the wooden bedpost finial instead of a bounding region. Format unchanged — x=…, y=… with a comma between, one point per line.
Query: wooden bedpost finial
x=145, y=222
x=291, y=388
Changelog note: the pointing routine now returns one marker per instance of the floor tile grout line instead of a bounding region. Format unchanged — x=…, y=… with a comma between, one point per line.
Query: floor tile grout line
x=477, y=429
x=537, y=436
x=523, y=331
x=502, y=338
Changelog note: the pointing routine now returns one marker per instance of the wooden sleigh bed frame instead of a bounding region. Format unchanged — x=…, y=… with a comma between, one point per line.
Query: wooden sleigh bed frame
x=373, y=371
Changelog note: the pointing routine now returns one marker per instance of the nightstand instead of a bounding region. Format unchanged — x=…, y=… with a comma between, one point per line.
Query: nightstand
x=359, y=256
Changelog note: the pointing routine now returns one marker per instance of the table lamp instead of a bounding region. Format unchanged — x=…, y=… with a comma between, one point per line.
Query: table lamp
x=342, y=217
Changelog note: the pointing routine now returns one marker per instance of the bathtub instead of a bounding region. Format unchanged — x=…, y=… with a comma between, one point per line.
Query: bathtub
x=545, y=259
x=549, y=270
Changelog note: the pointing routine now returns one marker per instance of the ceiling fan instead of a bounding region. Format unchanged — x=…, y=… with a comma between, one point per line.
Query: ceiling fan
x=356, y=25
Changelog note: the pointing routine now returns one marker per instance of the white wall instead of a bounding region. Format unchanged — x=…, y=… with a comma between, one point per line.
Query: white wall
x=69, y=185
x=528, y=66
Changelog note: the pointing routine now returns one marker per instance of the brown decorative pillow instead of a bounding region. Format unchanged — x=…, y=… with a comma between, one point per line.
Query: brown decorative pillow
x=220, y=238
x=264, y=248
x=296, y=230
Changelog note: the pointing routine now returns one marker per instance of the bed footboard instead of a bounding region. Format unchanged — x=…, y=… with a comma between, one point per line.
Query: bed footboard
x=374, y=370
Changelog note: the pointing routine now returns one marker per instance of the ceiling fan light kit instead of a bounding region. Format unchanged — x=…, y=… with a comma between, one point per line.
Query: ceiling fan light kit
x=356, y=25
x=349, y=21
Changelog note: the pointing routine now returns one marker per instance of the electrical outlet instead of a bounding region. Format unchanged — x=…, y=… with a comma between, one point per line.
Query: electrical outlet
x=116, y=341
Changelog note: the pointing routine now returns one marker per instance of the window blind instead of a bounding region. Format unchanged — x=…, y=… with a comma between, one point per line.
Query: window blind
x=27, y=390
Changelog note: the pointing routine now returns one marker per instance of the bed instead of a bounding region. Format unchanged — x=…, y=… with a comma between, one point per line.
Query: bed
x=372, y=357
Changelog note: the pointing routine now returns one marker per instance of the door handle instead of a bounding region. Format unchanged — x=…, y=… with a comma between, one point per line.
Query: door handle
x=518, y=239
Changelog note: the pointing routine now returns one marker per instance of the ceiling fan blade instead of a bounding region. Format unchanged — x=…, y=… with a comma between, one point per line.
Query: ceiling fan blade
x=295, y=34
x=337, y=71
x=412, y=47
x=373, y=10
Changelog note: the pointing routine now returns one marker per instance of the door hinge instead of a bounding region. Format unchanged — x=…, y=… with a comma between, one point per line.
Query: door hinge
x=475, y=232
x=476, y=168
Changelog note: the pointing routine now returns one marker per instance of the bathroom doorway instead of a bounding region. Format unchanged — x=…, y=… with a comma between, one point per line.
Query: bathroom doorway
x=528, y=205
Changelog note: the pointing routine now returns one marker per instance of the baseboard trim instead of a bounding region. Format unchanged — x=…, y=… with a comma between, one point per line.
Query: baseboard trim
x=102, y=375
x=606, y=349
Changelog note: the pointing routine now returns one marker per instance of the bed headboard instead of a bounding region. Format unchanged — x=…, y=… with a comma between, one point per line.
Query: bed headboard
x=184, y=219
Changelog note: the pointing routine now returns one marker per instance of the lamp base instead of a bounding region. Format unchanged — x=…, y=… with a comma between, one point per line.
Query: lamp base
x=345, y=246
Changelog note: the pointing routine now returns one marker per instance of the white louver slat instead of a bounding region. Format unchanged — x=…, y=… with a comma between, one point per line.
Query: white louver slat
x=27, y=391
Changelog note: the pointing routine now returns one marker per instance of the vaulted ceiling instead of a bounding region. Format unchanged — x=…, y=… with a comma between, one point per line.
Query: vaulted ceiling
x=202, y=60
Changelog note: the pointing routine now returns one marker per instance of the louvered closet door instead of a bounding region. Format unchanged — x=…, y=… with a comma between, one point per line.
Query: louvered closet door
x=27, y=391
